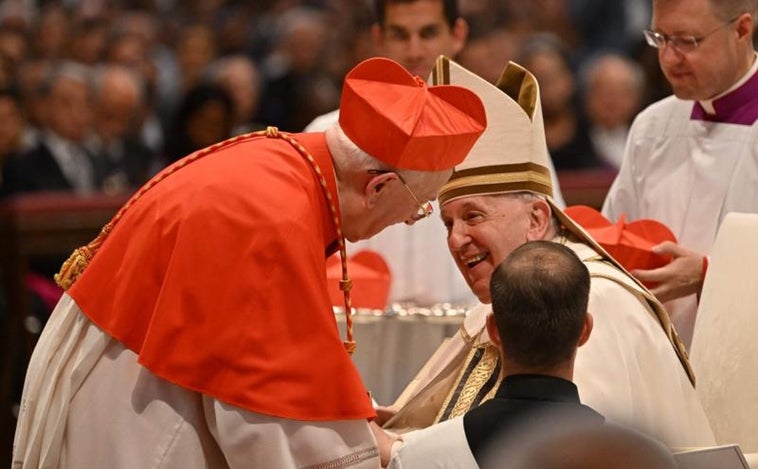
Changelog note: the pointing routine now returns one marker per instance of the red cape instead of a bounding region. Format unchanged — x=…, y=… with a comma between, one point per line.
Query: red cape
x=216, y=278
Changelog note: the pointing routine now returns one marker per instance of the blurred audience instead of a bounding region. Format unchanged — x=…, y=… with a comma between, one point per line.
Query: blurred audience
x=240, y=78
x=566, y=131
x=612, y=92
x=59, y=161
x=205, y=116
x=119, y=100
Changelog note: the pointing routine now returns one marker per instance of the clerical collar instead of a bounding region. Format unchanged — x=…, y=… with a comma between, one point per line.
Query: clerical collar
x=736, y=105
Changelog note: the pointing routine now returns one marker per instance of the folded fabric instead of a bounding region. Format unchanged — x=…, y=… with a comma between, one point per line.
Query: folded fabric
x=629, y=243
x=371, y=280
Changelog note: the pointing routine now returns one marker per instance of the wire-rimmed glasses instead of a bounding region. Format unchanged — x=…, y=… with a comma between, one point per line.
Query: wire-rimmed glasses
x=682, y=43
x=424, y=208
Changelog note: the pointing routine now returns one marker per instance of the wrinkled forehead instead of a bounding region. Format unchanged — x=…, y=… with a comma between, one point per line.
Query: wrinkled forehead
x=503, y=202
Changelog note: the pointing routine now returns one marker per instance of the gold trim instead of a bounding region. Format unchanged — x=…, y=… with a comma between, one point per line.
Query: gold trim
x=476, y=380
x=497, y=178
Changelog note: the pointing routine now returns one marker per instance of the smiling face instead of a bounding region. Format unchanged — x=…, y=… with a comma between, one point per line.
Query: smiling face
x=721, y=57
x=484, y=229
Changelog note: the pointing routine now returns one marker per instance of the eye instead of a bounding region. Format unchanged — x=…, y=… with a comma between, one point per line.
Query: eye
x=397, y=34
x=472, y=216
x=430, y=32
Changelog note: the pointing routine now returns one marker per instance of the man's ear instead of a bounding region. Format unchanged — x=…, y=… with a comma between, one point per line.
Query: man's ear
x=586, y=329
x=745, y=26
x=459, y=33
x=375, y=186
x=493, y=332
x=539, y=220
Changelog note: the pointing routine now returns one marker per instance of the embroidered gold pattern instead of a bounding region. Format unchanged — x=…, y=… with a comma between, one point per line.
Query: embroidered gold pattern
x=470, y=382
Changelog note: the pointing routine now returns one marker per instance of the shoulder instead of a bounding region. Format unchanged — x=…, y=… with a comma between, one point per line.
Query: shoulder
x=441, y=445
x=661, y=115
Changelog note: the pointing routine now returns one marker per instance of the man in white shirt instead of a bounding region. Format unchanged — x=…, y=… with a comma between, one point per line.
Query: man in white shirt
x=692, y=158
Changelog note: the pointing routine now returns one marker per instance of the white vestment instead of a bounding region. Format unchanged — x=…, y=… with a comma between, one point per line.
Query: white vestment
x=423, y=273
x=87, y=403
x=687, y=174
x=627, y=371
x=443, y=445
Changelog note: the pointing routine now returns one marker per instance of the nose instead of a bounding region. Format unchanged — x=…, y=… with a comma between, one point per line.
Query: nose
x=668, y=54
x=415, y=46
x=457, y=237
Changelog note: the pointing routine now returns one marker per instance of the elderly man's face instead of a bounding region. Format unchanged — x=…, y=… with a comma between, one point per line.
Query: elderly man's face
x=482, y=231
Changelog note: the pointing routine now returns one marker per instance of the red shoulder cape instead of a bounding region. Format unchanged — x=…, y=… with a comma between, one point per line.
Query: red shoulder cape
x=216, y=279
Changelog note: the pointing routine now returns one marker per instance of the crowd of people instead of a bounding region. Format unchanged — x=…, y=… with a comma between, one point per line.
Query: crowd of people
x=135, y=79
x=226, y=247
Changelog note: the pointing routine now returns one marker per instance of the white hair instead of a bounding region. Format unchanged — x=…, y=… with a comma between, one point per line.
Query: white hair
x=350, y=158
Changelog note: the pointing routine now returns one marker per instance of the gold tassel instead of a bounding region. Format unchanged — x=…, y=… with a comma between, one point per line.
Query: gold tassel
x=73, y=267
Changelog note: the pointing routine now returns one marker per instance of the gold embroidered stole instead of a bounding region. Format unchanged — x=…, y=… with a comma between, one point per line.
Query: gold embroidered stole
x=477, y=381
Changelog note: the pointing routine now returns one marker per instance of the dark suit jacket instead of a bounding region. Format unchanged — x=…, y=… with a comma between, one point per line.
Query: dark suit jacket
x=38, y=171
x=523, y=401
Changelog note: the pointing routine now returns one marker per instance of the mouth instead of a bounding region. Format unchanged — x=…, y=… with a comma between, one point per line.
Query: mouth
x=472, y=262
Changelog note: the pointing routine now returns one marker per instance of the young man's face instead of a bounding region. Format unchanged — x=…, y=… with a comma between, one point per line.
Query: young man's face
x=415, y=33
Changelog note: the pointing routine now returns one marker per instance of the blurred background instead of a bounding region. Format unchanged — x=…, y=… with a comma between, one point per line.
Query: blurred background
x=124, y=88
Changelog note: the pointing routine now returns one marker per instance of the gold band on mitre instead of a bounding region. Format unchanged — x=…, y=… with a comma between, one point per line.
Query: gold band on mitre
x=497, y=179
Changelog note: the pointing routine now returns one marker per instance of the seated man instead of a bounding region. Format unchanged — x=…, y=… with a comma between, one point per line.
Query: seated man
x=633, y=369
x=539, y=301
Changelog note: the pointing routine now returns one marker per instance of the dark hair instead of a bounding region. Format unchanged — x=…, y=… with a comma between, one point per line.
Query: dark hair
x=539, y=298
x=449, y=8
x=179, y=143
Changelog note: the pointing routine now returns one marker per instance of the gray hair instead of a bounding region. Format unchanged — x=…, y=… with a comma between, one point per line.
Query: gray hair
x=589, y=68
x=66, y=70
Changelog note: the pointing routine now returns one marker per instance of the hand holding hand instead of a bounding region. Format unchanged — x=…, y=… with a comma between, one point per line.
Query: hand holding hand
x=384, y=441
x=680, y=277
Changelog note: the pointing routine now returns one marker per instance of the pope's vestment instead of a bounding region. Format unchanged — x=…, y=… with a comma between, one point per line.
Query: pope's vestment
x=628, y=370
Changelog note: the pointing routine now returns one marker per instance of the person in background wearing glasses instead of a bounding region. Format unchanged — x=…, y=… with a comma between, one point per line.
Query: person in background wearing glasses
x=187, y=334
x=692, y=158
x=414, y=33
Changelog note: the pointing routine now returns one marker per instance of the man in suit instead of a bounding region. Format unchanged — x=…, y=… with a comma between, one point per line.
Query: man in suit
x=60, y=161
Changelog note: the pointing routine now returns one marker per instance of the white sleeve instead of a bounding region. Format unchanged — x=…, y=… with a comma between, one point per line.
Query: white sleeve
x=248, y=439
x=443, y=445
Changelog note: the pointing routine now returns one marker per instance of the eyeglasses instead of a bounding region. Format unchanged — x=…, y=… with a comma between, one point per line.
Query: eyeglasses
x=682, y=44
x=424, y=208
